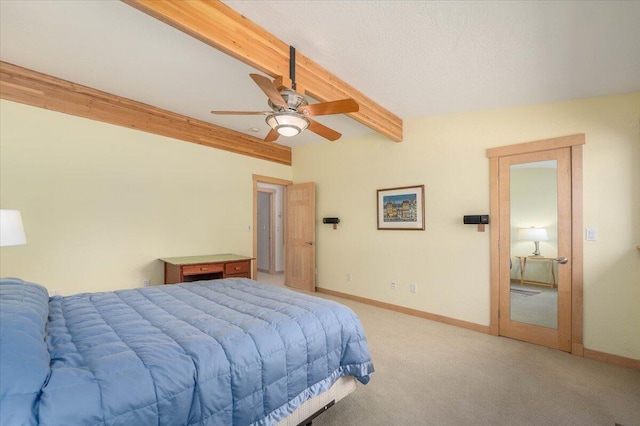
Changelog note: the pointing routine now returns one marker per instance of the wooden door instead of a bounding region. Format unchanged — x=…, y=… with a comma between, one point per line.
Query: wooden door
x=300, y=237
x=541, y=197
x=566, y=152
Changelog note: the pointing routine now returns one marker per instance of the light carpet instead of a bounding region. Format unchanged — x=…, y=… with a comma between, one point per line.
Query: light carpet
x=428, y=373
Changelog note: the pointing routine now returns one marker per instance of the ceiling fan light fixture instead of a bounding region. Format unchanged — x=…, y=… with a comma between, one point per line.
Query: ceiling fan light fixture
x=287, y=123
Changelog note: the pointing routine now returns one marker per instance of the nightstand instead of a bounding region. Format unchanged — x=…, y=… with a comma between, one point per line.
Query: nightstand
x=523, y=266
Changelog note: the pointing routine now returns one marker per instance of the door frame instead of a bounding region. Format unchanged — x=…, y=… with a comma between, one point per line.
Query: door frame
x=575, y=143
x=256, y=180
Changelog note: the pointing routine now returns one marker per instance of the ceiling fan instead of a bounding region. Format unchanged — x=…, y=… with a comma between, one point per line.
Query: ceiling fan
x=291, y=113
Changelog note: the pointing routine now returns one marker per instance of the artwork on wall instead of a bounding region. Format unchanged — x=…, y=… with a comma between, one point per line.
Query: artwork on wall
x=401, y=208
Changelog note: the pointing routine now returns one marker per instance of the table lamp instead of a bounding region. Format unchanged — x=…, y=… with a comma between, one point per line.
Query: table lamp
x=11, y=229
x=533, y=234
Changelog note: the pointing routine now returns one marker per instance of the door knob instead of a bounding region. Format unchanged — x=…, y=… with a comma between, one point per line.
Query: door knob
x=309, y=242
x=561, y=260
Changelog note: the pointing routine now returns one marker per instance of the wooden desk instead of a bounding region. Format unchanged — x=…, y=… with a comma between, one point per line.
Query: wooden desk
x=523, y=266
x=210, y=267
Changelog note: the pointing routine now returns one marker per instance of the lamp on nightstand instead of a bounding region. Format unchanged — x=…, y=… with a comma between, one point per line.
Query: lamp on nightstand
x=533, y=234
x=11, y=229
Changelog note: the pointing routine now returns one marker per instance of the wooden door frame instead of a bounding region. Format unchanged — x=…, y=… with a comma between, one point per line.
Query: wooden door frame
x=272, y=221
x=574, y=142
x=273, y=181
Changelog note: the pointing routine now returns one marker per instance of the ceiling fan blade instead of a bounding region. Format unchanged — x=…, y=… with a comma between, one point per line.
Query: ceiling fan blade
x=241, y=112
x=269, y=89
x=271, y=136
x=324, y=131
x=334, y=107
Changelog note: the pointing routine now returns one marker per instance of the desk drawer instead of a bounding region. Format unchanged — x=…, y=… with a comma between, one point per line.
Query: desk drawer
x=201, y=269
x=235, y=268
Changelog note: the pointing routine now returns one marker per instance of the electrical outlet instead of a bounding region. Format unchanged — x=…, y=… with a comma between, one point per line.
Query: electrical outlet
x=413, y=288
x=146, y=283
x=55, y=292
x=394, y=285
x=349, y=276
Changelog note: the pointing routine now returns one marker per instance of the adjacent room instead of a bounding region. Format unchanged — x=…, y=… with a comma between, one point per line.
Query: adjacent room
x=452, y=187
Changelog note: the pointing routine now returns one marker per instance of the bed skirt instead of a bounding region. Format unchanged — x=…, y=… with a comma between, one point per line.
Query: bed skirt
x=341, y=388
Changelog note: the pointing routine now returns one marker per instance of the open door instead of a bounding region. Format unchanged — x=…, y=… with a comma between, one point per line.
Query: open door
x=300, y=237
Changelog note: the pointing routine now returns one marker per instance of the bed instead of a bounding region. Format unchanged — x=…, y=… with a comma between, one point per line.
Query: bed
x=222, y=352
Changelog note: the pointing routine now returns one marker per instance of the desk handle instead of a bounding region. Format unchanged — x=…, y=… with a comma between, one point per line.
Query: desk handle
x=561, y=260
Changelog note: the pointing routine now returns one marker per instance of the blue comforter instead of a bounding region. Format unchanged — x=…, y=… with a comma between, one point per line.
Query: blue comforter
x=211, y=353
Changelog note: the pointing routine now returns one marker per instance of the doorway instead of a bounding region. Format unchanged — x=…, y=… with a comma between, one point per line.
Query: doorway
x=298, y=232
x=536, y=242
x=266, y=229
x=269, y=230
x=270, y=183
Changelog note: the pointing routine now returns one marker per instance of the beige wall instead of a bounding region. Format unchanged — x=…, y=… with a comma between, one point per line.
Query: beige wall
x=449, y=261
x=102, y=203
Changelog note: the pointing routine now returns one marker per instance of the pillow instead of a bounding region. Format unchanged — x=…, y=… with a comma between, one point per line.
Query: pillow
x=24, y=358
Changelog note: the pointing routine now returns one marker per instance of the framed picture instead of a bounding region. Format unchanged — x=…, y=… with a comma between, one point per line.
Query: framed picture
x=401, y=208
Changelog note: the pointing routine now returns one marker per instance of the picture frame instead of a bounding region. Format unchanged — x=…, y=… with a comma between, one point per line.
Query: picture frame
x=401, y=208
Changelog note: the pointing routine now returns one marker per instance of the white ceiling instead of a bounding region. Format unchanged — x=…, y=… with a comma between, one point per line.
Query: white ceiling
x=415, y=58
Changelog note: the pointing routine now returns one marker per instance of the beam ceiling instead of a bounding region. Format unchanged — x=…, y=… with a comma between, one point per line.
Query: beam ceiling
x=40, y=90
x=219, y=26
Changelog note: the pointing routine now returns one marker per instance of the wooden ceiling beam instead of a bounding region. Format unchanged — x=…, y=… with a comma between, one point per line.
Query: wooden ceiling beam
x=40, y=90
x=219, y=26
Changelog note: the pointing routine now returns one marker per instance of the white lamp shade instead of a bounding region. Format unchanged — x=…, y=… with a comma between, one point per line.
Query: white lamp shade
x=11, y=229
x=533, y=234
x=287, y=123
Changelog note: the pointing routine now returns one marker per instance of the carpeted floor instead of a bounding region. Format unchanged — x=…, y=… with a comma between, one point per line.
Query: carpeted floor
x=537, y=305
x=428, y=373
x=275, y=279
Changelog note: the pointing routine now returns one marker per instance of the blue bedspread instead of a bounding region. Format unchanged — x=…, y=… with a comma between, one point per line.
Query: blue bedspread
x=223, y=352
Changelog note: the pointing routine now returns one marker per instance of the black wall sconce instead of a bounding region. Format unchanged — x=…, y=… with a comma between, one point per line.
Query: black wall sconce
x=332, y=220
x=477, y=219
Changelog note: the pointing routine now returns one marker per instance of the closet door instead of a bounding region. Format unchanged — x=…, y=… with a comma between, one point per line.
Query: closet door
x=536, y=242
